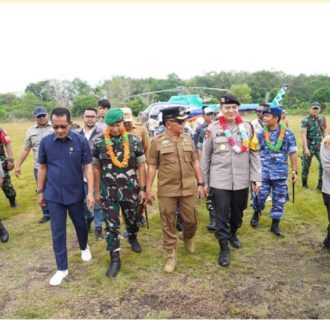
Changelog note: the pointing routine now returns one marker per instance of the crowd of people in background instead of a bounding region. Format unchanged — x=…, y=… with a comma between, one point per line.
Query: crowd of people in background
x=103, y=173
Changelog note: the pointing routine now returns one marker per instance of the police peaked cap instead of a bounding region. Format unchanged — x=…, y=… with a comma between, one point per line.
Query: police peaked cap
x=273, y=110
x=228, y=98
x=174, y=113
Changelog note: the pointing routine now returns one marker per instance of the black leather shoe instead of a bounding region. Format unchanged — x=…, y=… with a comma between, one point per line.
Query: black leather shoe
x=275, y=228
x=4, y=235
x=255, y=219
x=44, y=219
x=135, y=246
x=224, y=255
x=234, y=241
x=114, y=266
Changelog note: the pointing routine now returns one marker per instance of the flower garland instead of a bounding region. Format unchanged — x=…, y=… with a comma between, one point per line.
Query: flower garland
x=245, y=143
x=278, y=145
x=108, y=144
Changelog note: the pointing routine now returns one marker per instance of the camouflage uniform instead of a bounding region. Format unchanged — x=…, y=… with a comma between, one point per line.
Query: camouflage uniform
x=274, y=169
x=119, y=187
x=209, y=199
x=313, y=126
x=7, y=186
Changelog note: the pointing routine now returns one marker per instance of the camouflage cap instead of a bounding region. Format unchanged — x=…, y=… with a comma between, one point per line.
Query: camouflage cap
x=113, y=115
x=316, y=104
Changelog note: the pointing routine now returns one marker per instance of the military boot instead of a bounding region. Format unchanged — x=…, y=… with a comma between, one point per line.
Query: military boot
x=211, y=227
x=171, y=261
x=189, y=245
x=4, y=235
x=132, y=240
x=234, y=241
x=224, y=254
x=304, y=183
x=114, y=266
x=326, y=241
x=319, y=185
x=255, y=219
x=12, y=202
x=275, y=228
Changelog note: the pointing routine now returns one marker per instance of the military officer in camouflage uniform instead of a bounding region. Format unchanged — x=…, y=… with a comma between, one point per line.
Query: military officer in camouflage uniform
x=141, y=132
x=274, y=167
x=173, y=155
x=115, y=167
x=7, y=165
x=209, y=199
x=4, y=235
x=313, y=130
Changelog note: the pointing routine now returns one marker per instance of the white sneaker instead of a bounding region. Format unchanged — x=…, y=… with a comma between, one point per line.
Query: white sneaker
x=58, y=277
x=86, y=254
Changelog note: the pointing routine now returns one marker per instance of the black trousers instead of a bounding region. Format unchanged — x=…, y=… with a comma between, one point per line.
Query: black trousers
x=326, y=199
x=229, y=207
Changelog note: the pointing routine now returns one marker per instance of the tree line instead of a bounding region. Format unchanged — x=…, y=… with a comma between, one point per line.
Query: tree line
x=256, y=87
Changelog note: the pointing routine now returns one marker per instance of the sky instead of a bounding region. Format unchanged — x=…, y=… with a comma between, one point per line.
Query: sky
x=95, y=42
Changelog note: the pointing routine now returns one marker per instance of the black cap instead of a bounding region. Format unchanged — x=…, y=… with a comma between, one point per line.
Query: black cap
x=174, y=113
x=229, y=98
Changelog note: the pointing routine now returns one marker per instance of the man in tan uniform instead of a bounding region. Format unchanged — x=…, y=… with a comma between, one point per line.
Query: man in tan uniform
x=138, y=130
x=172, y=153
x=230, y=162
x=141, y=132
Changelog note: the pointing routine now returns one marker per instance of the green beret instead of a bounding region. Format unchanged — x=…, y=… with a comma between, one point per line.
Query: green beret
x=113, y=115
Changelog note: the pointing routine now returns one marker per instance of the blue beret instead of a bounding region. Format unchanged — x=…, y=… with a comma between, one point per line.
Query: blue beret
x=273, y=110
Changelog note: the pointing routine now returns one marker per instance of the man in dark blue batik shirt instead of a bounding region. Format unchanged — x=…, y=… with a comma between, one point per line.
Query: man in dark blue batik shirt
x=63, y=156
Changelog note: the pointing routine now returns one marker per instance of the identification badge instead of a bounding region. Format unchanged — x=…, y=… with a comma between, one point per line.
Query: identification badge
x=222, y=147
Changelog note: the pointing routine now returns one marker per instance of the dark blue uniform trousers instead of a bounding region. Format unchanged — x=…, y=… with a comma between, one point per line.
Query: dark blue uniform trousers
x=58, y=214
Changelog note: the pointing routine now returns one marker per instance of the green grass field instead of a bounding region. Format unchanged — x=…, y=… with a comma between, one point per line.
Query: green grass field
x=267, y=278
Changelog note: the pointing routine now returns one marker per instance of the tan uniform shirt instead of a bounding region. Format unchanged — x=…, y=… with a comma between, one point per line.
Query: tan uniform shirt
x=141, y=132
x=174, y=159
x=222, y=167
x=33, y=137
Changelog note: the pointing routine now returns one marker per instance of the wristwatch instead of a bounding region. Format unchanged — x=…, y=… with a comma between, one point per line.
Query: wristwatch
x=11, y=159
x=40, y=191
x=295, y=172
x=144, y=188
x=201, y=184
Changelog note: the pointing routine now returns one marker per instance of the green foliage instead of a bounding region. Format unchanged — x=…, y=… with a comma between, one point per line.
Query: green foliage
x=256, y=87
x=82, y=102
x=321, y=95
x=242, y=92
x=136, y=105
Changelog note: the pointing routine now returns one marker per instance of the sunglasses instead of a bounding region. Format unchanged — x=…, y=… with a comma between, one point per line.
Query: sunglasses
x=41, y=116
x=61, y=126
x=178, y=121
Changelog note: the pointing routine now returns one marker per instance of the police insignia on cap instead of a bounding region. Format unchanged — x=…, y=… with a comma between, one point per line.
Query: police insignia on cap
x=222, y=100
